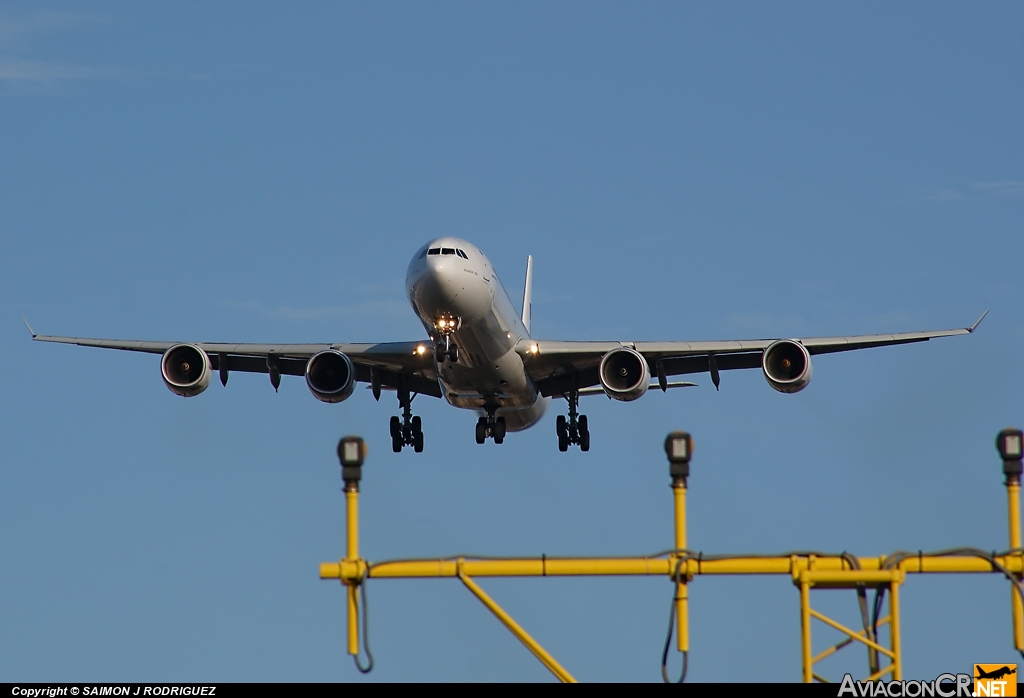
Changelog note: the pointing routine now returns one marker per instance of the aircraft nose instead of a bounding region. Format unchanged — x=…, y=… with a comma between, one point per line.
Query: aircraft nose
x=441, y=278
x=447, y=288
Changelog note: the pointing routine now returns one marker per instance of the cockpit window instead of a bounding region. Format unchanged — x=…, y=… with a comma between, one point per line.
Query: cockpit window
x=461, y=254
x=434, y=250
x=447, y=250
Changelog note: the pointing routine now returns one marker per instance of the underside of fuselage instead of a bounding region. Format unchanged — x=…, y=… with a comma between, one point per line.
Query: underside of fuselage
x=474, y=328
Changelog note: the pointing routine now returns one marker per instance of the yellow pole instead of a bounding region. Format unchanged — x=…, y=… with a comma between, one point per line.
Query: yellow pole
x=539, y=652
x=805, y=630
x=1013, y=497
x=682, y=592
x=894, y=630
x=352, y=554
x=679, y=492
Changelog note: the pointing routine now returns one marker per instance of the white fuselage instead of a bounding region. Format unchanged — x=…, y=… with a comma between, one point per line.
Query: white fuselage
x=466, y=296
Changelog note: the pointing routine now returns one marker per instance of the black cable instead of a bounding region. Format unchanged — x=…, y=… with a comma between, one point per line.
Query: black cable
x=897, y=557
x=668, y=638
x=366, y=627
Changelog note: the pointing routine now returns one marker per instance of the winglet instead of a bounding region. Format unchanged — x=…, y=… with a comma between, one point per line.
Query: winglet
x=30, y=330
x=978, y=322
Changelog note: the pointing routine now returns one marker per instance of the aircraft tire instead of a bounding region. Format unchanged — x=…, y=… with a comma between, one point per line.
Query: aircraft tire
x=396, y=428
x=481, y=431
x=417, y=442
x=396, y=444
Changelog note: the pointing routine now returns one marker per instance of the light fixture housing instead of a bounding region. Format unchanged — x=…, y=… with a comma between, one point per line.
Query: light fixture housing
x=679, y=449
x=351, y=454
x=1010, y=444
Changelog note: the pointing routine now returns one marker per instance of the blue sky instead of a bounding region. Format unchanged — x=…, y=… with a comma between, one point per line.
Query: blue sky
x=264, y=172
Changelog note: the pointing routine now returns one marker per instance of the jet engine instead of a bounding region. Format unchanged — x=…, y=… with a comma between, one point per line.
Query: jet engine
x=185, y=369
x=330, y=375
x=624, y=374
x=787, y=366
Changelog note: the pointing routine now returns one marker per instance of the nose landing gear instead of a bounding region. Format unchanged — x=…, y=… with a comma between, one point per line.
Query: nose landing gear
x=574, y=430
x=447, y=350
x=407, y=431
x=490, y=426
x=445, y=347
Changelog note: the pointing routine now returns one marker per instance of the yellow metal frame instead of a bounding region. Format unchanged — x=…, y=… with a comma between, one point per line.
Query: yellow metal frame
x=807, y=571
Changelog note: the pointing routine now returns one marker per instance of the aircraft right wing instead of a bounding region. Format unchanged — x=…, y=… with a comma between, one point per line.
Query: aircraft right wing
x=557, y=367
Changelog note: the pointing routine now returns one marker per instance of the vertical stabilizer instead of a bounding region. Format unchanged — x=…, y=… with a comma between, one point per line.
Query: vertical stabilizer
x=528, y=292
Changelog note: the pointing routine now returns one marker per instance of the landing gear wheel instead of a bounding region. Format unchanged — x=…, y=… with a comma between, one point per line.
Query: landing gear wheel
x=417, y=425
x=563, y=433
x=453, y=354
x=396, y=428
x=481, y=430
x=439, y=354
x=499, y=430
x=396, y=444
x=584, y=433
x=417, y=442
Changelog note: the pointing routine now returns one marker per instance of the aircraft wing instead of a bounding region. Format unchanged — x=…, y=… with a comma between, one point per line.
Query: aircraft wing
x=393, y=361
x=554, y=366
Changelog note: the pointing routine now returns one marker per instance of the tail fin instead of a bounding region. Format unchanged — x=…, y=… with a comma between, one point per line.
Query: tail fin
x=528, y=292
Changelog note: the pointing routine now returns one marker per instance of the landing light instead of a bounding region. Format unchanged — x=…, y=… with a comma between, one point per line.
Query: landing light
x=679, y=449
x=1010, y=444
x=351, y=453
x=533, y=348
x=421, y=350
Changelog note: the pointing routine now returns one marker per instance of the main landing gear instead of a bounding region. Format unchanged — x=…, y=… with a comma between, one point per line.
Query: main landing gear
x=574, y=430
x=407, y=431
x=490, y=426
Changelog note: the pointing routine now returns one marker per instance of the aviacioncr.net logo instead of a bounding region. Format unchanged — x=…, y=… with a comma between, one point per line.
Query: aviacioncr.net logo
x=943, y=686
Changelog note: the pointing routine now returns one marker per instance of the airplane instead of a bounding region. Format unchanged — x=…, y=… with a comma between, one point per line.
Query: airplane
x=479, y=355
x=996, y=673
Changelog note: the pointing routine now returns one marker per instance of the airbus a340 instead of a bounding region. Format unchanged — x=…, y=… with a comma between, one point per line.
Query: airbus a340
x=479, y=355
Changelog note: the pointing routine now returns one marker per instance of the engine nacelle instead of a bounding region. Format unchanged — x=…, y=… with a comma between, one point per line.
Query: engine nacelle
x=624, y=374
x=787, y=366
x=186, y=370
x=330, y=375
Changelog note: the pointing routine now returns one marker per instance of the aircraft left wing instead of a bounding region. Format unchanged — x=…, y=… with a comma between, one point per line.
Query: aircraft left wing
x=556, y=367
x=393, y=362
